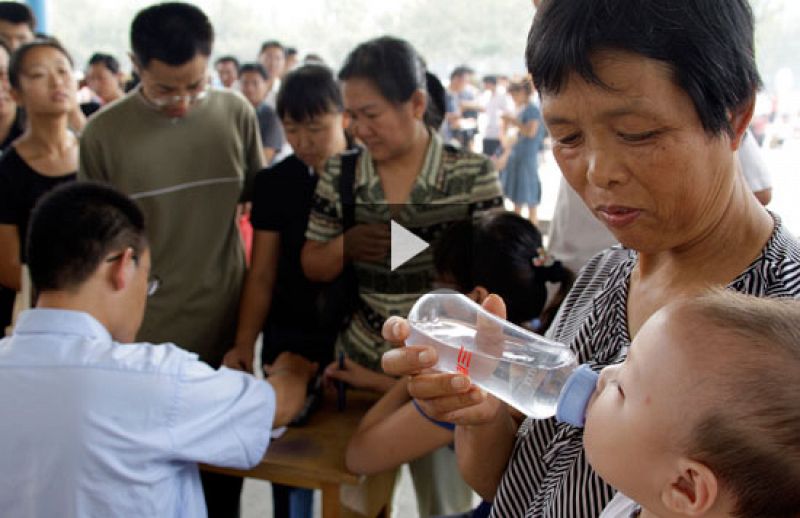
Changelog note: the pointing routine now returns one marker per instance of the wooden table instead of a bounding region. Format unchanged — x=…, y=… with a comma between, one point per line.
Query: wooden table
x=312, y=456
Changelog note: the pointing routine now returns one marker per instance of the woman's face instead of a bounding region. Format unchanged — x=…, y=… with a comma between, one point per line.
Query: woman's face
x=46, y=84
x=316, y=140
x=103, y=81
x=387, y=129
x=520, y=97
x=638, y=155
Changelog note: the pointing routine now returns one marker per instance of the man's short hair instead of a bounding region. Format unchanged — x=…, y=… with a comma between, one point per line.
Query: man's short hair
x=254, y=67
x=461, y=71
x=107, y=60
x=72, y=230
x=171, y=32
x=16, y=13
x=271, y=44
x=748, y=435
x=228, y=59
x=290, y=51
x=711, y=56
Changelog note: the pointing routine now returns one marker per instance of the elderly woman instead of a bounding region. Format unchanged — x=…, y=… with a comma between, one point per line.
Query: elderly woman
x=647, y=102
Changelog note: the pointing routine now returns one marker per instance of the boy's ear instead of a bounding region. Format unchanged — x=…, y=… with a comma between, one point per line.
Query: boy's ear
x=120, y=271
x=692, y=491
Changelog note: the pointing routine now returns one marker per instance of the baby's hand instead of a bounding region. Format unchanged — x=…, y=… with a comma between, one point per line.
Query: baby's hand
x=358, y=376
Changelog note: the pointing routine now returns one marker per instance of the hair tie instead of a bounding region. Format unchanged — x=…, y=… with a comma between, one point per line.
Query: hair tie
x=542, y=259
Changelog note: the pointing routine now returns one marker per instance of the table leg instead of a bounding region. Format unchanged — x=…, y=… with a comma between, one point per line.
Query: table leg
x=331, y=506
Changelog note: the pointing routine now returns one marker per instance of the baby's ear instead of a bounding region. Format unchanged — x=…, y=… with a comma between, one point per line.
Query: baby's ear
x=692, y=491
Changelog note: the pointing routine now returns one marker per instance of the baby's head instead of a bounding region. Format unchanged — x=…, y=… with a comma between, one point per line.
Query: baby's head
x=500, y=253
x=703, y=417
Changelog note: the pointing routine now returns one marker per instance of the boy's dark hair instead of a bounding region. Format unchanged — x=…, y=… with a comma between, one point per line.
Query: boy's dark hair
x=708, y=48
x=290, y=51
x=460, y=71
x=228, y=59
x=74, y=227
x=497, y=251
x=271, y=44
x=490, y=79
x=16, y=13
x=394, y=68
x=254, y=67
x=171, y=32
x=107, y=60
x=307, y=92
x=18, y=57
x=748, y=435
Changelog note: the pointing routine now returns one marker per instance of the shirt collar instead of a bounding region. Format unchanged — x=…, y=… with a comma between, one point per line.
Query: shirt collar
x=428, y=176
x=60, y=321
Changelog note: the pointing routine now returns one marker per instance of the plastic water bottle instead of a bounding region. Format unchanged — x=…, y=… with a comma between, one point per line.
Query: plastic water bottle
x=535, y=375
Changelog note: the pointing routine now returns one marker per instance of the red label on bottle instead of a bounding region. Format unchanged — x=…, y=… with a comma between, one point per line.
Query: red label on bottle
x=464, y=359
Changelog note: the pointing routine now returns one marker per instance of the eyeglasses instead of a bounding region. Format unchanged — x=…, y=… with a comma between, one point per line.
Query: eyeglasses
x=171, y=100
x=153, y=282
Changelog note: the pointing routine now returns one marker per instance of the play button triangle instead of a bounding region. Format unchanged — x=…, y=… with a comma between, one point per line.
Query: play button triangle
x=405, y=245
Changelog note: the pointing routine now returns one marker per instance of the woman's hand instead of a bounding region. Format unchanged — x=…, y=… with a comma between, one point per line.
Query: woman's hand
x=239, y=357
x=368, y=243
x=510, y=119
x=358, y=376
x=442, y=396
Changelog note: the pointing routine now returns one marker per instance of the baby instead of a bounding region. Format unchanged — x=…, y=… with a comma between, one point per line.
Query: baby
x=703, y=417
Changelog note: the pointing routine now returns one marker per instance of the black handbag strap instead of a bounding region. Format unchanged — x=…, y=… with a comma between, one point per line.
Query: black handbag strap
x=347, y=186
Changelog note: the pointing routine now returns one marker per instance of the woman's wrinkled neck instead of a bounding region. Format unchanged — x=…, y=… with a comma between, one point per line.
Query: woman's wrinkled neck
x=724, y=247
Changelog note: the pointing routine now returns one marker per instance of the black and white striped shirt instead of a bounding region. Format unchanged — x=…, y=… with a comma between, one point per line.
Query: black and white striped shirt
x=548, y=475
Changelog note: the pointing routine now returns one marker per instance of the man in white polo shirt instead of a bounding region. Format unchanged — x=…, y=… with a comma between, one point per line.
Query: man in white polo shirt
x=93, y=425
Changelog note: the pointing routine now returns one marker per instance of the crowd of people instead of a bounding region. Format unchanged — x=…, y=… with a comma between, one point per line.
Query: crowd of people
x=662, y=269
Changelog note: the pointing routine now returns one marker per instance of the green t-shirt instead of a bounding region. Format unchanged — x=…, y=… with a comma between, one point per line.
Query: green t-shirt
x=187, y=175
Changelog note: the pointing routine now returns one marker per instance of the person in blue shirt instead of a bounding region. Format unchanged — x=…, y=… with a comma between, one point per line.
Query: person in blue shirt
x=94, y=425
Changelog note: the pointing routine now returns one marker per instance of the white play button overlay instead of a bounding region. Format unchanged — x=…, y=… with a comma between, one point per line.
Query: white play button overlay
x=405, y=246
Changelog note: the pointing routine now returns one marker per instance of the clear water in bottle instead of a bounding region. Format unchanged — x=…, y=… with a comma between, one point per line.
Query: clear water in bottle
x=519, y=367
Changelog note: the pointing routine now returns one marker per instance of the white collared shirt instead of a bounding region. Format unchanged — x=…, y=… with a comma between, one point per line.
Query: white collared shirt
x=91, y=427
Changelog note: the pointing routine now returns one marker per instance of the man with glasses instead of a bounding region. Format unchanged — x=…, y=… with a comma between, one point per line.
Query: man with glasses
x=97, y=425
x=186, y=154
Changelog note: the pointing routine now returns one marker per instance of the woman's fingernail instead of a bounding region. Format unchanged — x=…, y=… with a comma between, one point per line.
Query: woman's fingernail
x=396, y=328
x=460, y=383
x=425, y=357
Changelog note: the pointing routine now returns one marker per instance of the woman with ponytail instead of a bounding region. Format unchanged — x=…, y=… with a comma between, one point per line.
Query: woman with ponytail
x=407, y=175
x=404, y=173
x=498, y=253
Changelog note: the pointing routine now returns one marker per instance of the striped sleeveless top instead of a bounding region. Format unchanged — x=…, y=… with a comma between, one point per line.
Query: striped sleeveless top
x=548, y=475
